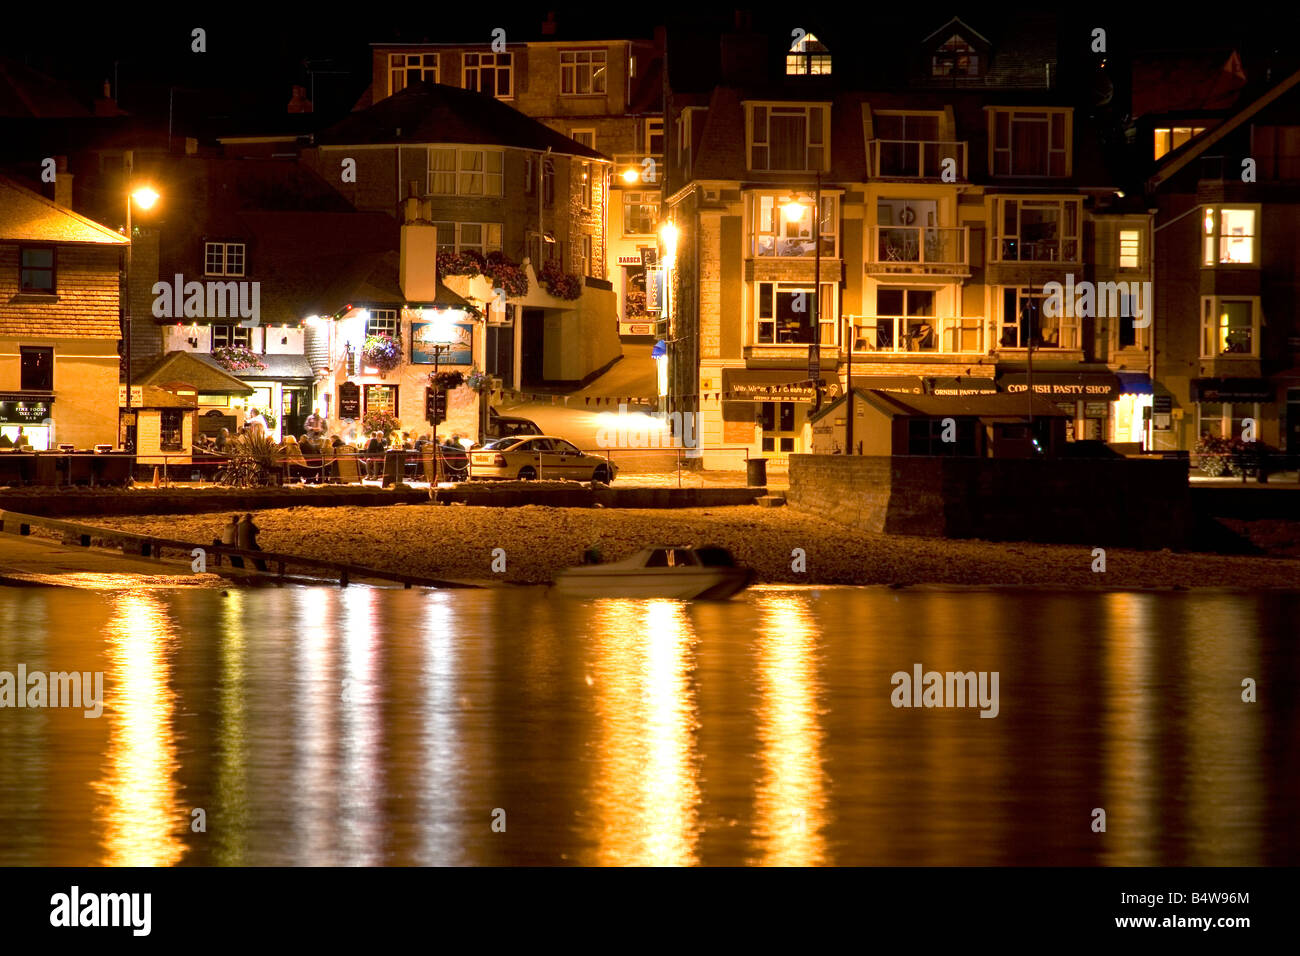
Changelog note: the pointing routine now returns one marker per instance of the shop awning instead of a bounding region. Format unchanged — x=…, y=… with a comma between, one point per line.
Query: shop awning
x=1098, y=386
x=1135, y=383
x=774, y=385
x=1231, y=390
x=960, y=385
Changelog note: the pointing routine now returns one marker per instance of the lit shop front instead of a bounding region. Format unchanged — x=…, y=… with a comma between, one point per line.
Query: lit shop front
x=1102, y=406
x=28, y=416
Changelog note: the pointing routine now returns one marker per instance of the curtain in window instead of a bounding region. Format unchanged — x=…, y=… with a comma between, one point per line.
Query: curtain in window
x=789, y=138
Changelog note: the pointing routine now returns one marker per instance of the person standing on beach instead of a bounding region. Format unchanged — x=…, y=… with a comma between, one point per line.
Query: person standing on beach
x=246, y=536
x=230, y=536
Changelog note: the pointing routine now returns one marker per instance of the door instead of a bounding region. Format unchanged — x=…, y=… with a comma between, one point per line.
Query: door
x=1293, y=425
x=294, y=410
x=568, y=462
x=534, y=341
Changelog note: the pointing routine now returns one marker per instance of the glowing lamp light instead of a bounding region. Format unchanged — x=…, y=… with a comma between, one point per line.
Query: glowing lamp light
x=630, y=176
x=793, y=208
x=313, y=320
x=145, y=197
x=668, y=233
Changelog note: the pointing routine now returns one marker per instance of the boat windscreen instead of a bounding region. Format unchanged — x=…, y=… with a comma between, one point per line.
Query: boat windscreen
x=714, y=557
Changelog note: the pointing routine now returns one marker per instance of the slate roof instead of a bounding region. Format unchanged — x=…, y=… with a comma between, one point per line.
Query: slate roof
x=433, y=113
x=277, y=366
x=27, y=216
x=192, y=369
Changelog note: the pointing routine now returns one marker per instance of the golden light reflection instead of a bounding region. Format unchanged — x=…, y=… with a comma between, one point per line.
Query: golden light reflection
x=141, y=815
x=361, y=785
x=232, y=762
x=441, y=793
x=791, y=798
x=647, y=788
x=315, y=706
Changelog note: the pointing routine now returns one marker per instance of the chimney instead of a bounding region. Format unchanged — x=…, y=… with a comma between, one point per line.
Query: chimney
x=418, y=270
x=744, y=58
x=62, y=182
x=549, y=25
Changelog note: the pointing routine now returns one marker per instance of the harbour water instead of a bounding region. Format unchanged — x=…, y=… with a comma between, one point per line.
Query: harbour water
x=320, y=726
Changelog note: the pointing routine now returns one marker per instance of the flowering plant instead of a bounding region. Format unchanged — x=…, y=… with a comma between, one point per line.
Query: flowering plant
x=380, y=421
x=236, y=358
x=467, y=263
x=506, y=275
x=447, y=379
x=561, y=284
x=381, y=352
x=478, y=380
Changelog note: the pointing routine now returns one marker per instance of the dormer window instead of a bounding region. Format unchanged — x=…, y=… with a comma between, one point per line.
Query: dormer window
x=808, y=56
x=955, y=57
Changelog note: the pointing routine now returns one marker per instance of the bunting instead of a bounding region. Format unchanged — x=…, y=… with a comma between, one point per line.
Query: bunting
x=613, y=401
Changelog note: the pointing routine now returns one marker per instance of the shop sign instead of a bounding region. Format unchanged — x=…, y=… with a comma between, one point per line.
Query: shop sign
x=25, y=413
x=654, y=289
x=349, y=400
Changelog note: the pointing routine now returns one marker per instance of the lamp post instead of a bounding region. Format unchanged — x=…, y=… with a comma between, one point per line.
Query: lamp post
x=441, y=336
x=145, y=197
x=794, y=209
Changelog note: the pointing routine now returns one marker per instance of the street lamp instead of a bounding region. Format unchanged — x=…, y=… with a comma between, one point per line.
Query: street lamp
x=794, y=208
x=145, y=197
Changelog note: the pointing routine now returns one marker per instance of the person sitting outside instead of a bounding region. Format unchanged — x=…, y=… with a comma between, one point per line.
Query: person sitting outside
x=223, y=439
x=246, y=536
x=375, y=450
x=291, y=454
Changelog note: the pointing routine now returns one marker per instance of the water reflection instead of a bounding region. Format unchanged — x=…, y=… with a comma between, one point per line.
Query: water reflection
x=647, y=792
x=790, y=802
x=140, y=814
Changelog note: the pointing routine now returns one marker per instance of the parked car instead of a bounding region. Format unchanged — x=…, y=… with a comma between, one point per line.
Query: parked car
x=544, y=456
x=505, y=426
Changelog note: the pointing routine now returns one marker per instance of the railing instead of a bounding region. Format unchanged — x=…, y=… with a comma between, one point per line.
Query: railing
x=898, y=333
x=636, y=162
x=1038, y=250
x=917, y=159
x=794, y=247
x=923, y=250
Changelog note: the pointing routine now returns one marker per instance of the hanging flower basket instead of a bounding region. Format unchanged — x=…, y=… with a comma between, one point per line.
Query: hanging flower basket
x=236, y=358
x=561, y=284
x=478, y=380
x=381, y=421
x=381, y=352
x=447, y=379
x=506, y=275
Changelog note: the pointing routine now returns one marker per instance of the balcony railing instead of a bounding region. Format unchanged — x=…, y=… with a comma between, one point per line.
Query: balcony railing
x=917, y=334
x=636, y=162
x=1039, y=250
x=917, y=159
x=923, y=250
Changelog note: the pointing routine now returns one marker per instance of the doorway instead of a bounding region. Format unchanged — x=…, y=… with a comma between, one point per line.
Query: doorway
x=294, y=409
x=534, y=343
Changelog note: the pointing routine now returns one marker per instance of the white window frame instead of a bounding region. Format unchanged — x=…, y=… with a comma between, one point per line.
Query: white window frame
x=1068, y=324
x=593, y=62
x=384, y=322
x=480, y=63
x=1061, y=202
x=231, y=259
x=808, y=56
x=1132, y=238
x=1030, y=115
x=584, y=135
x=224, y=336
x=828, y=304
x=490, y=234
x=758, y=133
x=461, y=176
x=1212, y=327
x=765, y=233
x=1213, y=245
x=1226, y=418
x=642, y=198
x=406, y=67
x=586, y=184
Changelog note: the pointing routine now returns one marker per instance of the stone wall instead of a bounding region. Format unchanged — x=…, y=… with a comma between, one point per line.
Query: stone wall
x=1131, y=502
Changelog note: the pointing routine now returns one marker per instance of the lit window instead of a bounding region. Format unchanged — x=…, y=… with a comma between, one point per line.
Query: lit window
x=382, y=322
x=587, y=137
x=1038, y=230
x=582, y=72
x=1025, y=322
x=956, y=57
x=640, y=213
x=224, y=336
x=490, y=73
x=1170, y=138
x=1130, y=248
x=586, y=172
x=782, y=232
x=785, y=308
x=465, y=172
x=1229, y=237
x=1228, y=327
x=480, y=237
x=808, y=56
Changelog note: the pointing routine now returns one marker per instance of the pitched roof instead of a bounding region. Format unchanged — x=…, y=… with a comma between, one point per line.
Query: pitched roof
x=27, y=216
x=277, y=366
x=26, y=93
x=432, y=113
x=190, y=368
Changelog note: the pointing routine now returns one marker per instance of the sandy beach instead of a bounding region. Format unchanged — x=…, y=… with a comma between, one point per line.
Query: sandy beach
x=458, y=542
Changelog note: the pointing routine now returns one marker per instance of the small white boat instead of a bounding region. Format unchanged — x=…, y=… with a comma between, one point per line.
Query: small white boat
x=671, y=571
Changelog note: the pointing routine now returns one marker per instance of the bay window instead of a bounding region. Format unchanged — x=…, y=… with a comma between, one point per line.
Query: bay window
x=1038, y=230
x=784, y=311
x=1229, y=327
x=1230, y=236
x=1026, y=324
x=788, y=138
x=777, y=232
